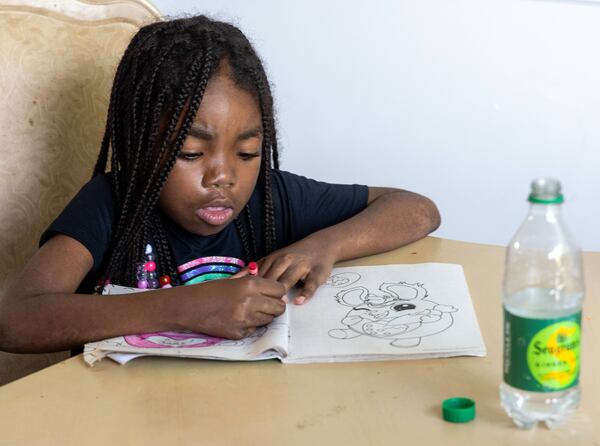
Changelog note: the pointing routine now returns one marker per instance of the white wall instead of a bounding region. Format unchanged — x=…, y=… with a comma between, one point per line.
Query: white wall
x=464, y=101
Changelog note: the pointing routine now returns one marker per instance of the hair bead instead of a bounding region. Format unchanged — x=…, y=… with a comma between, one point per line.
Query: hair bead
x=143, y=284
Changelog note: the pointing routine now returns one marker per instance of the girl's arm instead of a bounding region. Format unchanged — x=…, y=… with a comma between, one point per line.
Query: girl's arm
x=392, y=218
x=41, y=313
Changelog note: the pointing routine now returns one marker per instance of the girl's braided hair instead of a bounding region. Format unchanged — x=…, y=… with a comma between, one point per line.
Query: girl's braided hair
x=157, y=90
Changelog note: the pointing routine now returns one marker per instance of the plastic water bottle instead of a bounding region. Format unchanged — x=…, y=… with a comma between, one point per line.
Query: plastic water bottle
x=543, y=293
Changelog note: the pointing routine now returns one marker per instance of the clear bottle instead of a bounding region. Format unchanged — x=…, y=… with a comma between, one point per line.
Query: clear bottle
x=543, y=293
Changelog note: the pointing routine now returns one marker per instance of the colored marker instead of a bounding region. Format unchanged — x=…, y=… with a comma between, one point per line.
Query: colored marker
x=253, y=268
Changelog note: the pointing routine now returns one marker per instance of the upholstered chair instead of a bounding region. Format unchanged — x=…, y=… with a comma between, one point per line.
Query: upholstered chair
x=57, y=62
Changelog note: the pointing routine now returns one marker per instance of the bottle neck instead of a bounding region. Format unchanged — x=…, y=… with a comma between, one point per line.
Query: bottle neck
x=550, y=212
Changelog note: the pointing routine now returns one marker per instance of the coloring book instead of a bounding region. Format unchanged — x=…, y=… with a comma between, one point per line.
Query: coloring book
x=361, y=313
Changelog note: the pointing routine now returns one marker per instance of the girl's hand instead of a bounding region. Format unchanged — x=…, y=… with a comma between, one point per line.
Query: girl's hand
x=233, y=309
x=298, y=263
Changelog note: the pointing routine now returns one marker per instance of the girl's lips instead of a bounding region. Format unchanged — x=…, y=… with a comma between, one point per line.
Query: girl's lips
x=214, y=215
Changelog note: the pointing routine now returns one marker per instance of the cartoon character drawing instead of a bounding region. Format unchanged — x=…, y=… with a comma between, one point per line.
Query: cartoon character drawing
x=342, y=280
x=402, y=314
x=187, y=339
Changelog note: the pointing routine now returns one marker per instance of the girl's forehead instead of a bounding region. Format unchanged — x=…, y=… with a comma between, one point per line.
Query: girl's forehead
x=226, y=103
x=225, y=74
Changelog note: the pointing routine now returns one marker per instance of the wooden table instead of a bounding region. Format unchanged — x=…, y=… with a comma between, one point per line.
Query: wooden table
x=182, y=402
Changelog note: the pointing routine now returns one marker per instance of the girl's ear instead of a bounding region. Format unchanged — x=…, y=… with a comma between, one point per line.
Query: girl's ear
x=352, y=297
x=404, y=291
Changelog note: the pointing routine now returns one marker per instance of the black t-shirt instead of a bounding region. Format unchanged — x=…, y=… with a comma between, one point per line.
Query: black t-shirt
x=302, y=206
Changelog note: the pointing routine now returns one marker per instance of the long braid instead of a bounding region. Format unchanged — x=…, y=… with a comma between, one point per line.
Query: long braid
x=167, y=264
x=252, y=232
x=100, y=166
x=137, y=212
x=270, y=236
x=270, y=156
x=244, y=237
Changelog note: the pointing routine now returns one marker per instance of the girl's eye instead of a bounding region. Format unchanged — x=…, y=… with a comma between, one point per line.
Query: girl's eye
x=248, y=155
x=189, y=156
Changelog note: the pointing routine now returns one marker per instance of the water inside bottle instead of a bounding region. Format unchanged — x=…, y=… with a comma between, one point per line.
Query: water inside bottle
x=543, y=303
x=528, y=408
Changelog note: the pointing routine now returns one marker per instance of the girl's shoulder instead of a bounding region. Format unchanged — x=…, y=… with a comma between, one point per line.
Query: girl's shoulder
x=88, y=217
x=100, y=185
x=95, y=196
x=286, y=182
x=290, y=185
x=304, y=205
x=286, y=176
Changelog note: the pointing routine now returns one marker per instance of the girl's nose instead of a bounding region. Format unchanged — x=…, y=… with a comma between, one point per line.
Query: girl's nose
x=218, y=174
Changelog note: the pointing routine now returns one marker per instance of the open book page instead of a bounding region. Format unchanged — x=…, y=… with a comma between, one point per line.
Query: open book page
x=386, y=312
x=267, y=342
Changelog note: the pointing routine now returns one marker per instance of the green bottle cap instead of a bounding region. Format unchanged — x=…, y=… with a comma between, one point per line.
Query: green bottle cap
x=545, y=191
x=458, y=410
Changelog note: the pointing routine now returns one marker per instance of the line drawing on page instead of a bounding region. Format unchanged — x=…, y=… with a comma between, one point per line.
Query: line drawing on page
x=342, y=280
x=399, y=313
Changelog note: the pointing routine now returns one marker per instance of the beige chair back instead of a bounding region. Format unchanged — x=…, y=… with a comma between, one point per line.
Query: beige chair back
x=57, y=62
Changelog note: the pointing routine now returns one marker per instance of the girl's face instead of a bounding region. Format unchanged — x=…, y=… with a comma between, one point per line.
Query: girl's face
x=217, y=169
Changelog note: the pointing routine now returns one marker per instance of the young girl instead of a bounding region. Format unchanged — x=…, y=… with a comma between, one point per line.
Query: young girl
x=194, y=193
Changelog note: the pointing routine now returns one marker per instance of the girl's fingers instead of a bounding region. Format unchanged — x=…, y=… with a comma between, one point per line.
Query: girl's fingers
x=260, y=319
x=242, y=273
x=264, y=265
x=272, y=306
x=277, y=268
x=311, y=283
x=270, y=288
x=292, y=275
x=248, y=331
x=289, y=269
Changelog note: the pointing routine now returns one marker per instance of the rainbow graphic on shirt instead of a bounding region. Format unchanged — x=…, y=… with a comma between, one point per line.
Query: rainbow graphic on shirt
x=208, y=268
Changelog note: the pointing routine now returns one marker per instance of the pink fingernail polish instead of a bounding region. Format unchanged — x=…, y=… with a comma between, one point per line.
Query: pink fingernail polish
x=300, y=300
x=285, y=299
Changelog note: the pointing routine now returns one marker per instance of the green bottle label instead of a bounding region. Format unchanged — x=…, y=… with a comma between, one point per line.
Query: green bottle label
x=541, y=355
